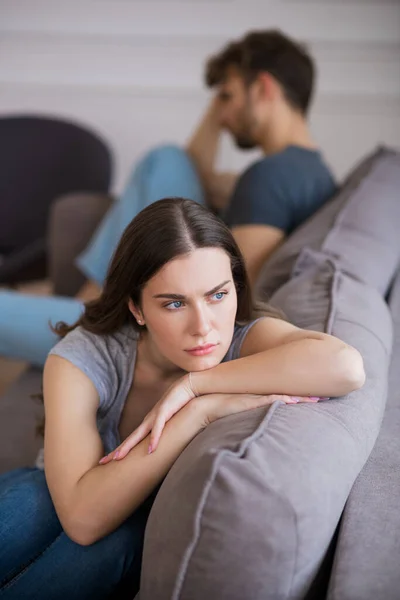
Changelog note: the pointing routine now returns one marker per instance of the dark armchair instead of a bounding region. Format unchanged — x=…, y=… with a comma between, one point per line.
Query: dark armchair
x=42, y=159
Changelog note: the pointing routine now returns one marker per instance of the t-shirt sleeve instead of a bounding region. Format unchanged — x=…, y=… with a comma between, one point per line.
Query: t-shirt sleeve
x=261, y=198
x=237, y=340
x=89, y=353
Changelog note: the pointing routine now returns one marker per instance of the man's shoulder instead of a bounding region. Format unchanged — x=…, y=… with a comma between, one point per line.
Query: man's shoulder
x=290, y=157
x=281, y=190
x=294, y=168
x=265, y=171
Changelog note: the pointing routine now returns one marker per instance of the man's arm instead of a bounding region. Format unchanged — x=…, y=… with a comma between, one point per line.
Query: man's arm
x=257, y=243
x=202, y=148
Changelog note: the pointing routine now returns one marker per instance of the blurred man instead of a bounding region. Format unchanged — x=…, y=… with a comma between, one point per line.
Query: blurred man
x=264, y=83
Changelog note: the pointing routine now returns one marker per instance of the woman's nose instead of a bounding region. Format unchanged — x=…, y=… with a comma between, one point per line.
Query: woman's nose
x=201, y=325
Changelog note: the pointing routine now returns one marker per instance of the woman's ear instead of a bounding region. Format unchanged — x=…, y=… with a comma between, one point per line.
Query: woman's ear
x=136, y=312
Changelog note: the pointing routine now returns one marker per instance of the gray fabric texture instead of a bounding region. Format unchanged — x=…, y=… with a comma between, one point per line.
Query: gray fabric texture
x=366, y=565
x=109, y=362
x=365, y=211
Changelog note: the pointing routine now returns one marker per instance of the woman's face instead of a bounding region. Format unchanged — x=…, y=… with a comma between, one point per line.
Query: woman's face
x=189, y=308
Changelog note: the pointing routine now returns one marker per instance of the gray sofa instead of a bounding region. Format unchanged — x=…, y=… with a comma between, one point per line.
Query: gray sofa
x=290, y=502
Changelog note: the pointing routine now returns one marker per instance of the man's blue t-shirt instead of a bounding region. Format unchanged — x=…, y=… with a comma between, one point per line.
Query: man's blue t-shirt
x=281, y=190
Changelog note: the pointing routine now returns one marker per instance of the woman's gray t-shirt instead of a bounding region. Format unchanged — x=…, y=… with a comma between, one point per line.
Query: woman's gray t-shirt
x=109, y=362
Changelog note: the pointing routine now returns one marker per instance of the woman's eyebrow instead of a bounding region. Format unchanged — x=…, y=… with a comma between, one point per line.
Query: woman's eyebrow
x=181, y=297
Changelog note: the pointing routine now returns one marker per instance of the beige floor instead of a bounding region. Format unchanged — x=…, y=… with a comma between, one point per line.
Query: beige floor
x=10, y=369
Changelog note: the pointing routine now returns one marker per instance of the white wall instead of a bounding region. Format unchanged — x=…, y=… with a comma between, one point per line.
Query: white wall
x=132, y=69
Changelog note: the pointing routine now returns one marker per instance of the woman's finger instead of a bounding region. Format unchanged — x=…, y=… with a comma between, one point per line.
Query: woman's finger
x=107, y=458
x=133, y=440
x=302, y=399
x=156, y=432
x=312, y=399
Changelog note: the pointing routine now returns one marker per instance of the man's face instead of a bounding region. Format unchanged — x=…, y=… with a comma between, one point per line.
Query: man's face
x=237, y=110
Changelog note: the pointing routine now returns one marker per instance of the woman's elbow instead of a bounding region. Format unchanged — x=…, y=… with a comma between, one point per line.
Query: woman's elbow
x=79, y=535
x=352, y=371
x=80, y=531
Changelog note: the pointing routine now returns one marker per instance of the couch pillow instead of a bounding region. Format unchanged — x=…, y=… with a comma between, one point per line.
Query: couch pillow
x=250, y=507
x=365, y=211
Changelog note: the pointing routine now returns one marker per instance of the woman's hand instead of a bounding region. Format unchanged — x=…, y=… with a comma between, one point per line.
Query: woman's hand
x=211, y=408
x=217, y=406
x=175, y=398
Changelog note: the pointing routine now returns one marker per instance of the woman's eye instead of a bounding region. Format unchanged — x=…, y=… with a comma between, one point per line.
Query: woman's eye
x=174, y=305
x=219, y=295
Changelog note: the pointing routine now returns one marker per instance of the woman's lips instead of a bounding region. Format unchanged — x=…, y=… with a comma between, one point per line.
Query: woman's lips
x=202, y=350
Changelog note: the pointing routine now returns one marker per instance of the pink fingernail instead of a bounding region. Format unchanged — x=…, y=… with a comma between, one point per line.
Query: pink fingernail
x=116, y=455
x=102, y=460
x=150, y=450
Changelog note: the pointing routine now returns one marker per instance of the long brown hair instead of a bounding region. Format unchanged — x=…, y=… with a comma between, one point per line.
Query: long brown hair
x=159, y=233
x=162, y=231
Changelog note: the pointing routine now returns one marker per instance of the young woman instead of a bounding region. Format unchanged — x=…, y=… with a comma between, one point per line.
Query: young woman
x=172, y=344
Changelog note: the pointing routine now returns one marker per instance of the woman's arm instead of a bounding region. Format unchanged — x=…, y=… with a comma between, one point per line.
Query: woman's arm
x=276, y=358
x=93, y=500
x=279, y=358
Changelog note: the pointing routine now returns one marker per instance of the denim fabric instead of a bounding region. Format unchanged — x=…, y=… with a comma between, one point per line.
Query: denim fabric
x=39, y=561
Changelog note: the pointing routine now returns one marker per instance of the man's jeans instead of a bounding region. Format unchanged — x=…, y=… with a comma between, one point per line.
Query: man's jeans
x=39, y=561
x=24, y=320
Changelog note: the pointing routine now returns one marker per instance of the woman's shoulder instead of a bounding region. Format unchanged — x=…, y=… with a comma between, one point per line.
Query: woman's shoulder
x=105, y=359
x=81, y=340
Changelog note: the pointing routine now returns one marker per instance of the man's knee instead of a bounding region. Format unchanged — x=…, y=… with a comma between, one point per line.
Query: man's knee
x=169, y=155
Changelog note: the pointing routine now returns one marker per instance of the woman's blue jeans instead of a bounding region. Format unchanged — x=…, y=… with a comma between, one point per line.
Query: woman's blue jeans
x=40, y=562
x=24, y=320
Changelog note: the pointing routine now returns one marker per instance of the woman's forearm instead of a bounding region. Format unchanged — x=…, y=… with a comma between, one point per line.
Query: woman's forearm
x=107, y=494
x=308, y=367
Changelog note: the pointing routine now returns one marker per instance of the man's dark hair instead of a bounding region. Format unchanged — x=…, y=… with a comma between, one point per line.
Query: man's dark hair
x=269, y=51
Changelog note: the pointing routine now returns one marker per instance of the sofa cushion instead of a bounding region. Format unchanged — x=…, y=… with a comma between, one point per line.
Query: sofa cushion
x=366, y=565
x=250, y=507
x=364, y=213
